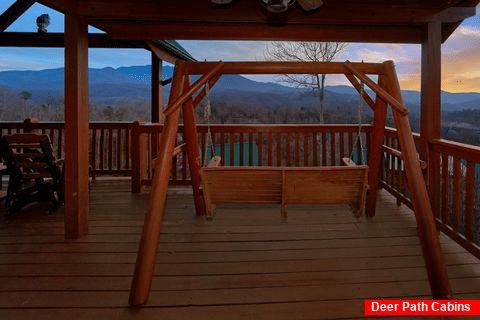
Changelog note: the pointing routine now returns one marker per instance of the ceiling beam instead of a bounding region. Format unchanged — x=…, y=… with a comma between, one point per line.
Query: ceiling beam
x=448, y=29
x=356, y=12
x=454, y=14
x=159, y=52
x=56, y=40
x=64, y=6
x=14, y=12
x=262, y=31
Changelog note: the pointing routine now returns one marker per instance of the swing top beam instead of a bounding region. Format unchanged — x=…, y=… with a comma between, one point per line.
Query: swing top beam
x=359, y=69
x=263, y=67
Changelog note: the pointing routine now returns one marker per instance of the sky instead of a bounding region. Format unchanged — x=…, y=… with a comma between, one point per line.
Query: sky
x=460, y=53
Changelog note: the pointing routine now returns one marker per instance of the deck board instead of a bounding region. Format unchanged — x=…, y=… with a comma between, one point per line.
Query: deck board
x=244, y=264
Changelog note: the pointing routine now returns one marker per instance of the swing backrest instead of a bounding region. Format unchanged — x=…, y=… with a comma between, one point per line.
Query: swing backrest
x=285, y=185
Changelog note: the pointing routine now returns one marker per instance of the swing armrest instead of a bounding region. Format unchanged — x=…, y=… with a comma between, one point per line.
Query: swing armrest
x=348, y=162
x=179, y=149
x=214, y=162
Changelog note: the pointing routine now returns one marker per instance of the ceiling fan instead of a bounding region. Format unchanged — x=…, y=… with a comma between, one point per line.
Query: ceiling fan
x=279, y=6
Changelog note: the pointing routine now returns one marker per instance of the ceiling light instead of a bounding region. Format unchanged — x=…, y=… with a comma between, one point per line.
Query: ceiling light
x=276, y=6
x=310, y=5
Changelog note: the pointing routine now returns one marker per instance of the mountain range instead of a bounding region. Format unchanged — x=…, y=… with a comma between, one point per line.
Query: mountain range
x=109, y=86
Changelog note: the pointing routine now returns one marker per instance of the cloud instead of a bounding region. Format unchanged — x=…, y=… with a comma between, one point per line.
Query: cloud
x=115, y=58
x=21, y=64
x=226, y=50
x=460, y=61
x=381, y=52
x=30, y=59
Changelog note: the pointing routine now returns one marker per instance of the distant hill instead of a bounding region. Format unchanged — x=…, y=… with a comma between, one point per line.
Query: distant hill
x=109, y=85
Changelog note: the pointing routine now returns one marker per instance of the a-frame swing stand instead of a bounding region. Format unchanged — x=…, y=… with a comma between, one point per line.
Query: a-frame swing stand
x=387, y=93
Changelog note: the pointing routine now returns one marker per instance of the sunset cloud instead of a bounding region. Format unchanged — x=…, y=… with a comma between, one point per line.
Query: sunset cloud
x=460, y=61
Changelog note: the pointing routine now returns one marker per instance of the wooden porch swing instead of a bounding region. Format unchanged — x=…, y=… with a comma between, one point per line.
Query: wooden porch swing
x=281, y=184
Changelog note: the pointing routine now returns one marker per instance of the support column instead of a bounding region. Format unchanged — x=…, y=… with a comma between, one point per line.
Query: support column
x=430, y=112
x=76, y=126
x=157, y=98
x=157, y=90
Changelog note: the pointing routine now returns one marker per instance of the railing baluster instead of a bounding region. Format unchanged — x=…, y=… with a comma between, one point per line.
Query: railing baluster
x=279, y=147
x=445, y=187
x=324, y=148
x=222, y=147
x=296, y=159
x=93, y=146
x=119, y=148
x=250, y=148
x=270, y=148
x=110, y=148
x=260, y=148
x=231, y=137
x=401, y=179
x=332, y=148
x=342, y=145
x=457, y=195
x=128, y=156
x=102, y=151
x=305, y=148
x=469, y=200
x=287, y=145
x=240, y=142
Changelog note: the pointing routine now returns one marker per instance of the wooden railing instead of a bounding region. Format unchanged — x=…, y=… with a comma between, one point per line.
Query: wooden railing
x=129, y=148
x=393, y=173
x=455, y=189
x=252, y=145
x=109, y=143
x=456, y=168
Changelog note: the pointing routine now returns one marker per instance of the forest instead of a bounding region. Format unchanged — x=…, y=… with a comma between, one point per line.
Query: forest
x=461, y=126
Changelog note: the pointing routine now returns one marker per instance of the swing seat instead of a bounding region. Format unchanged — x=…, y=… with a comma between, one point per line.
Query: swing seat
x=285, y=185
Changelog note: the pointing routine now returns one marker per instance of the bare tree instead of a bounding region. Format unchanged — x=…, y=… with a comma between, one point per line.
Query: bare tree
x=306, y=51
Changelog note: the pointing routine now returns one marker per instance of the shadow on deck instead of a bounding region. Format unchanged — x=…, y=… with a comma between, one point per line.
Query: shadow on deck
x=245, y=264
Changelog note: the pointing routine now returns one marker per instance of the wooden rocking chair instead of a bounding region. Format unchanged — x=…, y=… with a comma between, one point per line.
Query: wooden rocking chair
x=35, y=174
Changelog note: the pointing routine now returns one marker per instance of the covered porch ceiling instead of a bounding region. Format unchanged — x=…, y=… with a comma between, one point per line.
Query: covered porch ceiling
x=396, y=21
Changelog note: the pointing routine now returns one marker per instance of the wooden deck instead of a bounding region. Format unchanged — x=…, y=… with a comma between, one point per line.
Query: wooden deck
x=245, y=264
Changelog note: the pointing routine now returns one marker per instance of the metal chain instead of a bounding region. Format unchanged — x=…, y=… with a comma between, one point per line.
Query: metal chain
x=207, y=113
x=360, y=120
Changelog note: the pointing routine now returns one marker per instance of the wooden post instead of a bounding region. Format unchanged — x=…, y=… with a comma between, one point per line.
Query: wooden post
x=190, y=136
x=375, y=154
x=136, y=174
x=434, y=262
x=157, y=90
x=27, y=125
x=157, y=97
x=147, y=252
x=76, y=126
x=430, y=112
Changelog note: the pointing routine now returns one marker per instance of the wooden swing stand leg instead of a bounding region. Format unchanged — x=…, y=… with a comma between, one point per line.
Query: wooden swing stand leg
x=436, y=269
x=180, y=95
